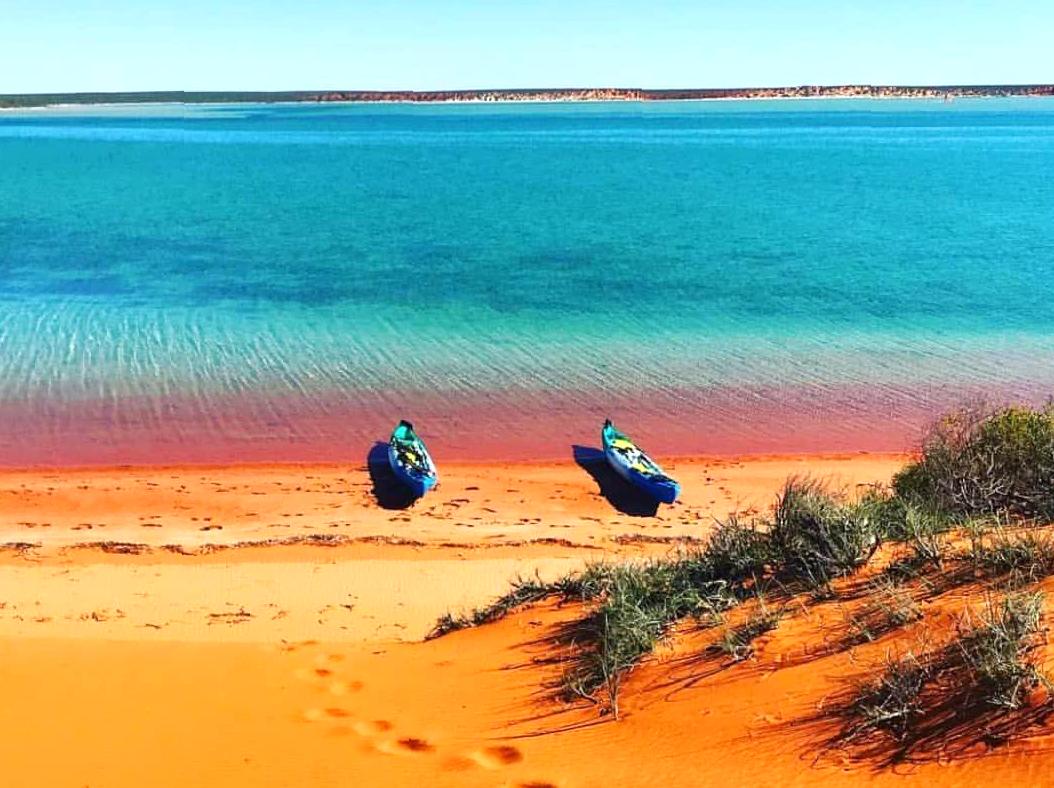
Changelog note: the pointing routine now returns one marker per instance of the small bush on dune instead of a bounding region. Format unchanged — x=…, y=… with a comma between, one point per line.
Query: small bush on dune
x=986, y=673
x=924, y=534
x=884, y=511
x=893, y=701
x=977, y=461
x=889, y=606
x=738, y=642
x=639, y=603
x=817, y=536
x=1025, y=555
x=735, y=552
x=625, y=627
x=998, y=650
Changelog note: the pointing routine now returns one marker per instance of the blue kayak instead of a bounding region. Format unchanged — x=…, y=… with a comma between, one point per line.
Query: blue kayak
x=411, y=463
x=631, y=463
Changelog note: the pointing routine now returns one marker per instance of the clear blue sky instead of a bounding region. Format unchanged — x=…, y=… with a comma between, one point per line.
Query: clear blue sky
x=83, y=45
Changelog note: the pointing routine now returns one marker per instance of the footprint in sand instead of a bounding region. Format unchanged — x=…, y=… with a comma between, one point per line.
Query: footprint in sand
x=344, y=687
x=497, y=757
x=372, y=727
x=458, y=763
x=316, y=714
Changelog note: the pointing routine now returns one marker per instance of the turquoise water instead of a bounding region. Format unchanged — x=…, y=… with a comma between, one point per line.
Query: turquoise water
x=281, y=282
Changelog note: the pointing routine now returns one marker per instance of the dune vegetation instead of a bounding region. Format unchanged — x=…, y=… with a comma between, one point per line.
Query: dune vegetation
x=969, y=513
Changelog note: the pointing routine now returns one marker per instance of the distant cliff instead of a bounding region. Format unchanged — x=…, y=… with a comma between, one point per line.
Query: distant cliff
x=687, y=94
x=541, y=94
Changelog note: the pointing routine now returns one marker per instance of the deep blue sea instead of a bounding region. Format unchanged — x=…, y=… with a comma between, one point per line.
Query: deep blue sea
x=283, y=281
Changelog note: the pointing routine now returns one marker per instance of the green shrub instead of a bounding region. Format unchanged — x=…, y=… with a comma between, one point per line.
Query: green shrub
x=998, y=650
x=1026, y=555
x=817, y=536
x=625, y=627
x=893, y=701
x=977, y=462
x=924, y=534
x=886, y=512
x=639, y=603
x=735, y=552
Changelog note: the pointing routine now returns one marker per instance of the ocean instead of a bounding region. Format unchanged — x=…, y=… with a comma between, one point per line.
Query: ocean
x=284, y=282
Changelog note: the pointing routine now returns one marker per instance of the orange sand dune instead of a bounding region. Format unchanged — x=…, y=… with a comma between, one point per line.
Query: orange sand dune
x=299, y=663
x=470, y=709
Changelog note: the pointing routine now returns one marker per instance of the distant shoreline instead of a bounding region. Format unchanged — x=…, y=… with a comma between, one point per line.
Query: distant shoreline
x=569, y=95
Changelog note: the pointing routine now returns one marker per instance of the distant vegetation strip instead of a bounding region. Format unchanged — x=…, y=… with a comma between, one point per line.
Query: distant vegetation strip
x=527, y=94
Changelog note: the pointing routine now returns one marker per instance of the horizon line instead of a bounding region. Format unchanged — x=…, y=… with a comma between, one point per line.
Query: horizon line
x=566, y=88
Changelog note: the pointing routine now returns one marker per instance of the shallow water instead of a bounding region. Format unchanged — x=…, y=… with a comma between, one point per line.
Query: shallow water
x=284, y=282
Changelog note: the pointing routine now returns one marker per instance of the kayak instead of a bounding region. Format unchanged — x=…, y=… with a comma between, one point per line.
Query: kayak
x=631, y=463
x=411, y=463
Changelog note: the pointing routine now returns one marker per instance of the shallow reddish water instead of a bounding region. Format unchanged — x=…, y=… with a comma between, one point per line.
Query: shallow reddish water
x=335, y=428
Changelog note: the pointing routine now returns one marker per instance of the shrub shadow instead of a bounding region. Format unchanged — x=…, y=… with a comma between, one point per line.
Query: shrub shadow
x=387, y=489
x=622, y=495
x=953, y=725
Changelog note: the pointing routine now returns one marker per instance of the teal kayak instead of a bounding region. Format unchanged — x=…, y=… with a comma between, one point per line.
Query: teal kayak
x=631, y=463
x=411, y=463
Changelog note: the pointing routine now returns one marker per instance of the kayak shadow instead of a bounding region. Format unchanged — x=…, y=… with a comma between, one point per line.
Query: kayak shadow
x=622, y=495
x=387, y=489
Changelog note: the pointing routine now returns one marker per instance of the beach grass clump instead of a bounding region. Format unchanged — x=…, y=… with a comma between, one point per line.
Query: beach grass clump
x=977, y=461
x=738, y=642
x=817, y=536
x=1025, y=555
x=886, y=511
x=998, y=652
x=892, y=702
x=638, y=603
x=625, y=627
x=736, y=552
x=976, y=685
x=890, y=605
x=522, y=591
x=925, y=534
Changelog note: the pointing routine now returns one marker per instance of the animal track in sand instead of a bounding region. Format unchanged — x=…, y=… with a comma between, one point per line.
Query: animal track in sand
x=496, y=757
x=413, y=744
x=408, y=745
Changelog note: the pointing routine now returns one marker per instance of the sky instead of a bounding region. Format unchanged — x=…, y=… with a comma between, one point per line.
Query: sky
x=127, y=45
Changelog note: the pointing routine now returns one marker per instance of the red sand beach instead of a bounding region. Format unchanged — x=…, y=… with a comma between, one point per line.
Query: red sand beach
x=262, y=625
